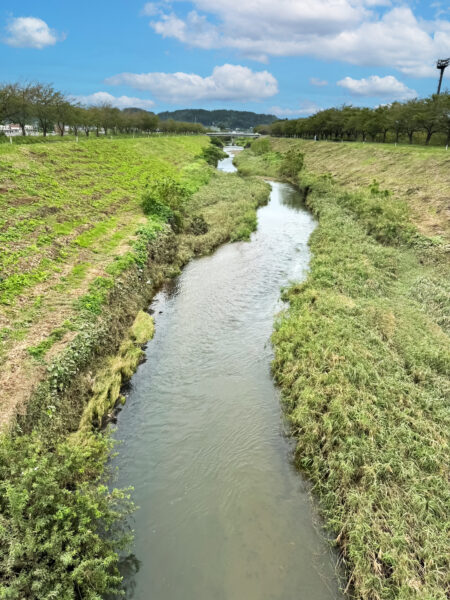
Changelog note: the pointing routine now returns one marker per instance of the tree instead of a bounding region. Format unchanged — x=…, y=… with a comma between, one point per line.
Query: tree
x=398, y=119
x=444, y=118
x=410, y=113
x=382, y=120
x=147, y=121
x=45, y=100
x=6, y=102
x=85, y=119
x=95, y=118
x=427, y=116
x=64, y=112
x=107, y=116
x=21, y=98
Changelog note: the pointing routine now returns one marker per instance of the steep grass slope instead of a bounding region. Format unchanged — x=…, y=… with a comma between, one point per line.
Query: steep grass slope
x=416, y=174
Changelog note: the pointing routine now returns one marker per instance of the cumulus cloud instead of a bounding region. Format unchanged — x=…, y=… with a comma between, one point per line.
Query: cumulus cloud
x=360, y=32
x=118, y=101
x=228, y=82
x=318, y=82
x=385, y=87
x=30, y=32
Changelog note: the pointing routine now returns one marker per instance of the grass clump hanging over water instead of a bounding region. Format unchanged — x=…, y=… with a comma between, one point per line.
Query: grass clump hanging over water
x=363, y=359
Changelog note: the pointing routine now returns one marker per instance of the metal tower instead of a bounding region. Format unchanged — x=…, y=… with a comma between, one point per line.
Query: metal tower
x=441, y=64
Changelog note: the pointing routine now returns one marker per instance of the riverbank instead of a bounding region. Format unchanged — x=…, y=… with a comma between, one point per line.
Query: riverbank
x=80, y=259
x=418, y=175
x=362, y=357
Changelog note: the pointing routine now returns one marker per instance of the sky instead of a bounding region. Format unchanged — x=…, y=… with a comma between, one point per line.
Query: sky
x=286, y=57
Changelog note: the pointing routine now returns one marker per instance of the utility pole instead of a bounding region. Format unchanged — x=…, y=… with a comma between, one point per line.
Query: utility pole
x=441, y=64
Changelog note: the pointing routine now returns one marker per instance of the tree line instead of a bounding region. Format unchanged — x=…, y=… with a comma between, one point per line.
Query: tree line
x=49, y=110
x=417, y=120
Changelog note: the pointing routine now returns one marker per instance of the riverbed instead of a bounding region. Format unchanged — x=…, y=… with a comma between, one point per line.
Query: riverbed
x=223, y=513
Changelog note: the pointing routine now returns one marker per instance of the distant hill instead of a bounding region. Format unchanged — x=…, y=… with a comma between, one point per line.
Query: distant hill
x=133, y=109
x=230, y=119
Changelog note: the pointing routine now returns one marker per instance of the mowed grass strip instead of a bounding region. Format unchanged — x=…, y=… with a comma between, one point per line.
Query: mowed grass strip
x=57, y=199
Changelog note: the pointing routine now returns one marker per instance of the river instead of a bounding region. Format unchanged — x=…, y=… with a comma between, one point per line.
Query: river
x=223, y=513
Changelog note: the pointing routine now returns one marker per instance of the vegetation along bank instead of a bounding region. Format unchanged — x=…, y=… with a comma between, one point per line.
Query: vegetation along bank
x=88, y=232
x=362, y=356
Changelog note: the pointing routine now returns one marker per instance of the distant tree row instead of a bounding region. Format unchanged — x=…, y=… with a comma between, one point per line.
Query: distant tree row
x=48, y=110
x=394, y=122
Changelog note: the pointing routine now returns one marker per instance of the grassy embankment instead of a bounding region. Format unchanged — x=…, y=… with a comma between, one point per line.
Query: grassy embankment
x=363, y=355
x=79, y=260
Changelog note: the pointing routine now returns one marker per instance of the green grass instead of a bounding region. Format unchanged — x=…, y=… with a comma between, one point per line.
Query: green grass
x=267, y=164
x=88, y=238
x=56, y=335
x=68, y=203
x=363, y=359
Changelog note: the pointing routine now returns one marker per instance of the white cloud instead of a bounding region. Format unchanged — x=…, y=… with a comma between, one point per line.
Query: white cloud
x=195, y=31
x=306, y=108
x=360, y=32
x=120, y=102
x=386, y=87
x=30, y=32
x=228, y=82
x=317, y=81
x=150, y=9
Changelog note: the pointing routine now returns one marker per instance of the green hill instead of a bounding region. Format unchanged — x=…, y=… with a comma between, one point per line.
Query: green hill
x=229, y=119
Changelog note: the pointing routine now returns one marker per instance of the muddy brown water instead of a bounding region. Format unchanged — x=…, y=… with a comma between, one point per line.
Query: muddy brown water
x=223, y=513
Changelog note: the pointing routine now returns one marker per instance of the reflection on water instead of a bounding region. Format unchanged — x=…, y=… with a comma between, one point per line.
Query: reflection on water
x=223, y=514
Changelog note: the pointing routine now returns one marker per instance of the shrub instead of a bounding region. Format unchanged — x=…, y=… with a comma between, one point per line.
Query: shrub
x=212, y=154
x=216, y=142
x=59, y=532
x=261, y=146
x=292, y=164
x=198, y=225
x=166, y=198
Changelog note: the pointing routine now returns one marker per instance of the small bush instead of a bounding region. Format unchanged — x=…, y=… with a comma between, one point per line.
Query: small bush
x=59, y=524
x=291, y=164
x=212, y=154
x=166, y=198
x=198, y=225
x=216, y=142
x=261, y=146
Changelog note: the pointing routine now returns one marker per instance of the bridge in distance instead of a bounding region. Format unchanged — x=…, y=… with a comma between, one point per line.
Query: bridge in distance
x=232, y=134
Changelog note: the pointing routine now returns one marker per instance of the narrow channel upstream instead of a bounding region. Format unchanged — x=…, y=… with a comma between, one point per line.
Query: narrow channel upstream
x=223, y=514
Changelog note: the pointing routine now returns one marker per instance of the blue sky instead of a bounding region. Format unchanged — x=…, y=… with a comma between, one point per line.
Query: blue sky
x=291, y=57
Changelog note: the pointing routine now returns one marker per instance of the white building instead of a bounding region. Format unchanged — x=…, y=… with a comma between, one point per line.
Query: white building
x=12, y=129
